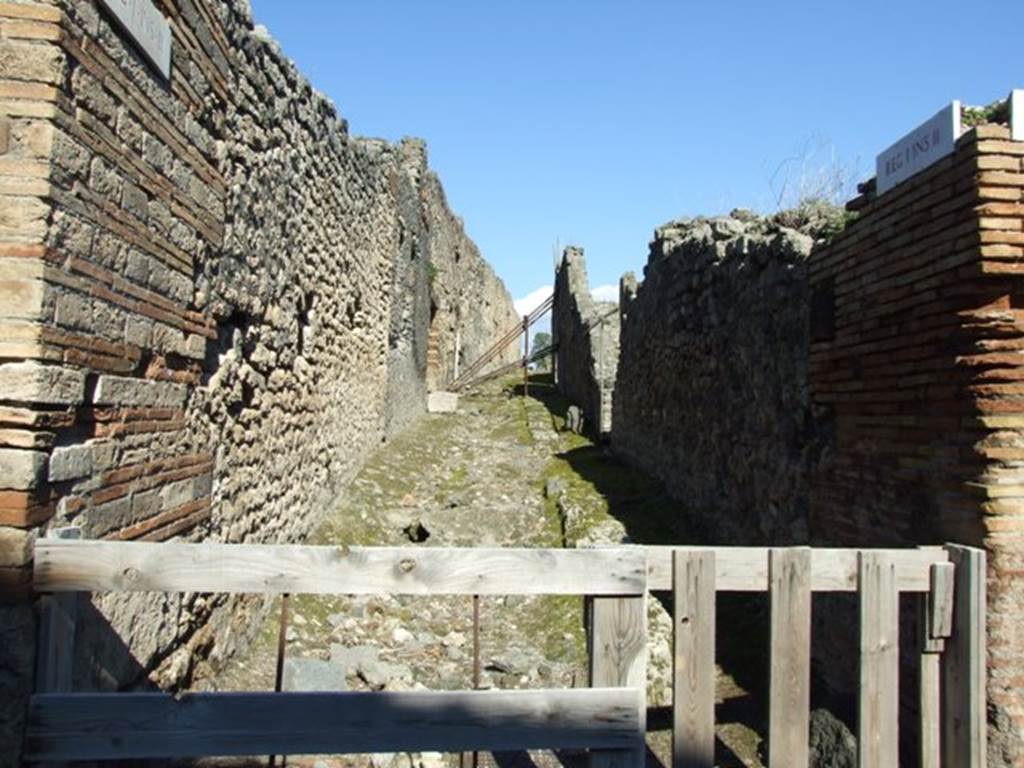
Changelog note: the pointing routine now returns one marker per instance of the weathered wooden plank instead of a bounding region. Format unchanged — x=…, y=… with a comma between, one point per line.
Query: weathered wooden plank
x=745, y=569
x=963, y=664
x=155, y=725
x=940, y=601
x=935, y=623
x=790, y=688
x=618, y=657
x=100, y=566
x=929, y=704
x=693, y=691
x=877, y=737
x=57, y=625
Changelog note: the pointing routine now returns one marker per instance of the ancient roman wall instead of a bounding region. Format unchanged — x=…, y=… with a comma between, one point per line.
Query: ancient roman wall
x=862, y=391
x=214, y=304
x=586, y=333
x=470, y=306
x=712, y=390
x=916, y=340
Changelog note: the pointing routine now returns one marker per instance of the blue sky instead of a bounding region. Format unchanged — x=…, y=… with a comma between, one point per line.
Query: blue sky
x=591, y=123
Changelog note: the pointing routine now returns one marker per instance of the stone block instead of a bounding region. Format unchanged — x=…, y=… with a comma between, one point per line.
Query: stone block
x=139, y=393
x=312, y=675
x=195, y=346
x=29, y=61
x=74, y=311
x=22, y=470
x=15, y=547
x=5, y=135
x=23, y=219
x=107, y=517
x=146, y=504
x=138, y=331
x=137, y=267
x=22, y=299
x=32, y=382
x=70, y=462
x=36, y=139
x=178, y=493
x=442, y=402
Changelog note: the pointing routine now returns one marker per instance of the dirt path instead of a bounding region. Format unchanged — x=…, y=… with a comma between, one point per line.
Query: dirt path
x=500, y=472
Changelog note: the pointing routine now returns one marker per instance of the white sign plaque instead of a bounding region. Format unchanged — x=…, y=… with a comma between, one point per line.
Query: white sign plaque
x=929, y=142
x=1017, y=115
x=147, y=27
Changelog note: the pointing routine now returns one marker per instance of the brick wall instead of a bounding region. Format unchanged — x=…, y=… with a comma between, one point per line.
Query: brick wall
x=214, y=304
x=917, y=350
x=866, y=391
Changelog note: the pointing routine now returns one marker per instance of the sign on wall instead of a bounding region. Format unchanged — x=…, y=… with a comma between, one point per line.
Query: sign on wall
x=1017, y=115
x=147, y=27
x=926, y=144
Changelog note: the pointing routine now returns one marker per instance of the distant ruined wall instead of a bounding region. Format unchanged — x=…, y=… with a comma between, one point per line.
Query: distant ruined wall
x=712, y=394
x=470, y=306
x=215, y=303
x=587, y=335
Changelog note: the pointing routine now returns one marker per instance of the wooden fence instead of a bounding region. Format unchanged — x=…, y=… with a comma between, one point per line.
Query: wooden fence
x=609, y=718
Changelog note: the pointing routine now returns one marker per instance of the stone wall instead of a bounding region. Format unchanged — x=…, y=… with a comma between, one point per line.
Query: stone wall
x=470, y=306
x=586, y=333
x=712, y=394
x=862, y=391
x=215, y=303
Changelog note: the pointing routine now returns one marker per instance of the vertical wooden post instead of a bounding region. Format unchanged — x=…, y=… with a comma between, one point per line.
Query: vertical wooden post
x=58, y=619
x=693, y=686
x=789, y=581
x=526, y=356
x=935, y=620
x=55, y=652
x=618, y=658
x=964, y=724
x=877, y=729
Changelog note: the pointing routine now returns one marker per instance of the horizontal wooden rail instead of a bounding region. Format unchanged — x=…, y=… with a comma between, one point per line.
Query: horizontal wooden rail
x=108, y=566
x=745, y=569
x=113, y=726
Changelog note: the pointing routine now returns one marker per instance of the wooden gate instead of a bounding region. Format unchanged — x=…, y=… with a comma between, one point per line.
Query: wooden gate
x=608, y=719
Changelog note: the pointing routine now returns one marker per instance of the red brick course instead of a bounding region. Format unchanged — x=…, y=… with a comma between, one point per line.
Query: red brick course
x=924, y=376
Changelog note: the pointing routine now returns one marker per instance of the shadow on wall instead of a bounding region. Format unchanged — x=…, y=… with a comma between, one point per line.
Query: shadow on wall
x=650, y=516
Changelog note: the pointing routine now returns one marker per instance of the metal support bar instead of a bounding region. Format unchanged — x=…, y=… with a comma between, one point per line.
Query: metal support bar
x=282, y=639
x=526, y=356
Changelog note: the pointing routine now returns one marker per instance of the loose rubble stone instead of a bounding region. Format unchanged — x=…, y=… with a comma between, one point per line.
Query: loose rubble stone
x=832, y=744
x=312, y=675
x=442, y=402
x=350, y=658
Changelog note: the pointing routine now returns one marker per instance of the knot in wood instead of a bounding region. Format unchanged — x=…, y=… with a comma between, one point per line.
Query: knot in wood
x=130, y=574
x=407, y=564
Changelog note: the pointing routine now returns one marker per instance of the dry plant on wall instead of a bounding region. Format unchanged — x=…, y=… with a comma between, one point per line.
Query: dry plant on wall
x=815, y=172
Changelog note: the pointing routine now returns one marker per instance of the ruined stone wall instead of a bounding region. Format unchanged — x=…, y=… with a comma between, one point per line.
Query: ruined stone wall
x=862, y=392
x=917, y=333
x=712, y=391
x=470, y=306
x=214, y=304
x=586, y=333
